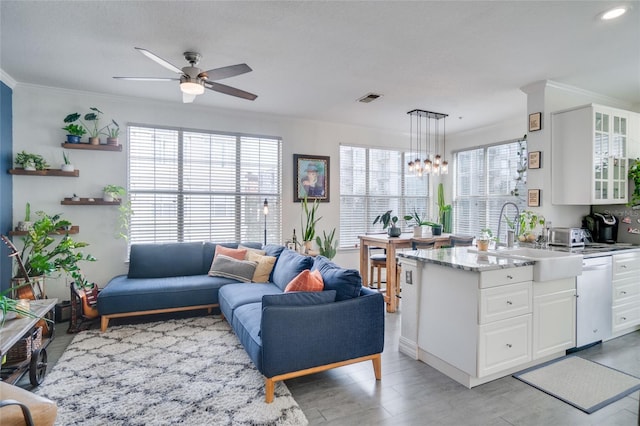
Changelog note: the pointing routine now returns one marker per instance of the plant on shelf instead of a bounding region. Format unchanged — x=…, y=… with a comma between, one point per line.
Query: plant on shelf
x=91, y=117
x=308, y=221
x=634, y=175
x=326, y=244
x=112, y=131
x=30, y=161
x=66, y=166
x=25, y=225
x=527, y=223
x=113, y=192
x=444, y=210
x=388, y=221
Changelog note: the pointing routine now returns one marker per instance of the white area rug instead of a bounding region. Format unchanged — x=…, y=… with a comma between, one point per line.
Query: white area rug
x=584, y=384
x=187, y=371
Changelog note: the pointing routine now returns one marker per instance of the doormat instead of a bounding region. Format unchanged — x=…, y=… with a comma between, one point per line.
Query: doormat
x=584, y=384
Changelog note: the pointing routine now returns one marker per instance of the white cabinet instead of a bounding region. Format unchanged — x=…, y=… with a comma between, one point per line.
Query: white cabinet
x=626, y=292
x=554, y=317
x=589, y=155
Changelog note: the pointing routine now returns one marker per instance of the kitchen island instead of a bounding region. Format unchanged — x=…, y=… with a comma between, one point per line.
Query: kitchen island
x=477, y=317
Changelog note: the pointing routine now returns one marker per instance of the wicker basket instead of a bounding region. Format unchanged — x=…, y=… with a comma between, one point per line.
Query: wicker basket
x=21, y=351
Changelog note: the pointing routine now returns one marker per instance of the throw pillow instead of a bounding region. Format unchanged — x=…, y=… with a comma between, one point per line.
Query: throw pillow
x=346, y=282
x=230, y=252
x=249, y=250
x=228, y=267
x=288, y=265
x=264, y=268
x=306, y=281
x=301, y=298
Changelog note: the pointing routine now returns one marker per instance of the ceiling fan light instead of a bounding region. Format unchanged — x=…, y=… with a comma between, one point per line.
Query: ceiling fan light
x=191, y=88
x=613, y=13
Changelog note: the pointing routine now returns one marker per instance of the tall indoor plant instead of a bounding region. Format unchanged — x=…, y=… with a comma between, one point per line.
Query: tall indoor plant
x=444, y=211
x=308, y=222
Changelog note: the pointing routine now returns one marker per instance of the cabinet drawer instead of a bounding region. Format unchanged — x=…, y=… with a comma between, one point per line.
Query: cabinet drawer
x=504, y=344
x=623, y=263
x=625, y=316
x=505, y=276
x=626, y=291
x=497, y=303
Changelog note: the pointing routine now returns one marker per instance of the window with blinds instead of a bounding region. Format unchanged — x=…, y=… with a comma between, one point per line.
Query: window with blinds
x=187, y=185
x=486, y=178
x=373, y=181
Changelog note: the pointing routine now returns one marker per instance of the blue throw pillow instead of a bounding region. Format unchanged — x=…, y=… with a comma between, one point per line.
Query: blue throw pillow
x=346, y=282
x=288, y=266
x=299, y=298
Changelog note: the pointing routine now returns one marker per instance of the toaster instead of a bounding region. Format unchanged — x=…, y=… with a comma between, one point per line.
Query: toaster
x=568, y=237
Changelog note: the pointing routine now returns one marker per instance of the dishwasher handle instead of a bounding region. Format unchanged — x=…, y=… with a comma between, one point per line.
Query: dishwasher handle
x=594, y=267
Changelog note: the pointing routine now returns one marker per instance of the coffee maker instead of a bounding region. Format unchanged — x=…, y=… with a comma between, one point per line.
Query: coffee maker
x=602, y=226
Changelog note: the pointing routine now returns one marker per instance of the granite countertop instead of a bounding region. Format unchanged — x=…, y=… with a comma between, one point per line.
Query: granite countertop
x=460, y=258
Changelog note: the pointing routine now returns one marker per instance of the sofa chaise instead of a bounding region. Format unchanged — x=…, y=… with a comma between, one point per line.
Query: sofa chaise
x=286, y=334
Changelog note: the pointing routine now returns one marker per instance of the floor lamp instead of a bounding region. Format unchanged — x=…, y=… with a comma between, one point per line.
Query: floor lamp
x=266, y=212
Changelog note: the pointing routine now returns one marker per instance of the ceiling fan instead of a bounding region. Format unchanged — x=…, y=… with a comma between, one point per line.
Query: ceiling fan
x=193, y=80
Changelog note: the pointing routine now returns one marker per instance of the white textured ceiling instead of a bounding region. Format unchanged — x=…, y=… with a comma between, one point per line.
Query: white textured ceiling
x=314, y=59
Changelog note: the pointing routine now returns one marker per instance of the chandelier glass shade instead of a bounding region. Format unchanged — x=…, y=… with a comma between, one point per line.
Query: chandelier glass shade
x=426, y=132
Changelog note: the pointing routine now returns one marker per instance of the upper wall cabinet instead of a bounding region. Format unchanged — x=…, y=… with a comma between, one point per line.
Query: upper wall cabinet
x=589, y=162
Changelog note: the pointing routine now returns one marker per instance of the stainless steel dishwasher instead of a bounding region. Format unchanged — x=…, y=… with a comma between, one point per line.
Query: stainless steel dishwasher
x=593, y=307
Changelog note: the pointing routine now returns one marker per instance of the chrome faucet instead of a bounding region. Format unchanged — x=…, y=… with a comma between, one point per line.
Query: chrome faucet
x=515, y=220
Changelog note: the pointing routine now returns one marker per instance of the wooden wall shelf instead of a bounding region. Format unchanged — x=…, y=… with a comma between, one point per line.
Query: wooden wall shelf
x=74, y=230
x=86, y=202
x=91, y=147
x=45, y=172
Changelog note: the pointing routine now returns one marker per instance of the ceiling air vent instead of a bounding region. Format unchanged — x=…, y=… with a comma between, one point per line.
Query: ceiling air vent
x=370, y=97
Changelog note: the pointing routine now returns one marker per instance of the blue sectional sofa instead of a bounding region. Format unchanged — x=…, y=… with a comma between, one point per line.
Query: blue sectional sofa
x=286, y=334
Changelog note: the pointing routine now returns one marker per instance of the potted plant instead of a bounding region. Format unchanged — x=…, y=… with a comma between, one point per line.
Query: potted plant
x=419, y=223
x=93, y=130
x=41, y=256
x=634, y=175
x=527, y=222
x=444, y=210
x=113, y=192
x=14, y=308
x=25, y=225
x=66, y=166
x=74, y=131
x=308, y=222
x=326, y=245
x=30, y=162
x=485, y=238
x=112, y=133
x=389, y=221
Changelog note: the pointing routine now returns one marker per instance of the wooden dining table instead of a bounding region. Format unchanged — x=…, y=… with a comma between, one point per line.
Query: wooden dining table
x=390, y=244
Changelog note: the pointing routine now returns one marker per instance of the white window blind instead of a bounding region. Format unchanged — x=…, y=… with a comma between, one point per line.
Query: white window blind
x=486, y=178
x=373, y=181
x=189, y=185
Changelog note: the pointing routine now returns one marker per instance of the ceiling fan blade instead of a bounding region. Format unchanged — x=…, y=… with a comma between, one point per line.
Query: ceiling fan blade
x=147, y=78
x=187, y=98
x=159, y=60
x=228, y=90
x=226, y=72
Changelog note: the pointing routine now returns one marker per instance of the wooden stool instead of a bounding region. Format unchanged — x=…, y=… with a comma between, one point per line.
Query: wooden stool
x=19, y=407
x=378, y=261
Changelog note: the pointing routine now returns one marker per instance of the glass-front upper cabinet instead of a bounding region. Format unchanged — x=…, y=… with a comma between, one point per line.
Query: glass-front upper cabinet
x=589, y=155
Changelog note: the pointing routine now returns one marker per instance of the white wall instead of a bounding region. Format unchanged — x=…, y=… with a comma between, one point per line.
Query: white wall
x=38, y=114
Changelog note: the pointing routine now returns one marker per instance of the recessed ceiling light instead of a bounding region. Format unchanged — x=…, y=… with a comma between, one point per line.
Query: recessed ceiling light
x=613, y=13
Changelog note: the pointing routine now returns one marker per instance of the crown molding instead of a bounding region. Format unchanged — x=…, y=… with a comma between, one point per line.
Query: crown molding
x=597, y=97
x=7, y=79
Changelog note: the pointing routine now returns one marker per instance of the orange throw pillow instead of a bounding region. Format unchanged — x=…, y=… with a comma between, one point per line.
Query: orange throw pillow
x=237, y=254
x=306, y=281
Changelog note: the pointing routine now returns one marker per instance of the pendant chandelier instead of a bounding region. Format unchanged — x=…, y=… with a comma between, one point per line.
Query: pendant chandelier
x=424, y=141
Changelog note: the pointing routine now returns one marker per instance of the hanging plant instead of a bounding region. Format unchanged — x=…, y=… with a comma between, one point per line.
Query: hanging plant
x=634, y=175
x=521, y=177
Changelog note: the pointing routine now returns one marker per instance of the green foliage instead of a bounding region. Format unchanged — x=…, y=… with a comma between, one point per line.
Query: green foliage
x=75, y=130
x=444, y=210
x=24, y=159
x=124, y=218
x=528, y=221
x=65, y=157
x=42, y=257
x=386, y=219
x=111, y=132
x=415, y=217
x=27, y=213
x=326, y=245
x=310, y=220
x=116, y=191
x=634, y=175
x=91, y=117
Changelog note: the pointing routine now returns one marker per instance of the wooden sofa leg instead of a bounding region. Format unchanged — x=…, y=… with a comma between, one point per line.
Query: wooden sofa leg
x=104, y=323
x=377, y=367
x=269, y=389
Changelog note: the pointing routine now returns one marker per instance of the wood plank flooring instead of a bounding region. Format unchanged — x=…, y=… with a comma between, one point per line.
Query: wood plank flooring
x=412, y=393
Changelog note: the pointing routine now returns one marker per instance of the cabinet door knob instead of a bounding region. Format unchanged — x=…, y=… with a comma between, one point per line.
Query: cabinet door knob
x=623, y=266
x=509, y=345
x=509, y=302
x=623, y=292
x=510, y=277
x=623, y=318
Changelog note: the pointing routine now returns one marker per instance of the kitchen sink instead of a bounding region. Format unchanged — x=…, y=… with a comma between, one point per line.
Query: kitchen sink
x=550, y=265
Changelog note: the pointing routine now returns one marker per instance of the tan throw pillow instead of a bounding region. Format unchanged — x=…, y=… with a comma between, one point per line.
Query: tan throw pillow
x=228, y=267
x=235, y=253
x=264, y=268
x=249, y=250
x=306, y=281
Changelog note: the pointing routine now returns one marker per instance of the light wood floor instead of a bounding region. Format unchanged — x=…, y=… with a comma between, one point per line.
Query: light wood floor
x=412, y=393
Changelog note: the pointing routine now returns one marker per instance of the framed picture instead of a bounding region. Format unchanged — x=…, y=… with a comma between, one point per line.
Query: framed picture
x=533, y=198
x=311, y=178
x=535, y=121
x=534, y=159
